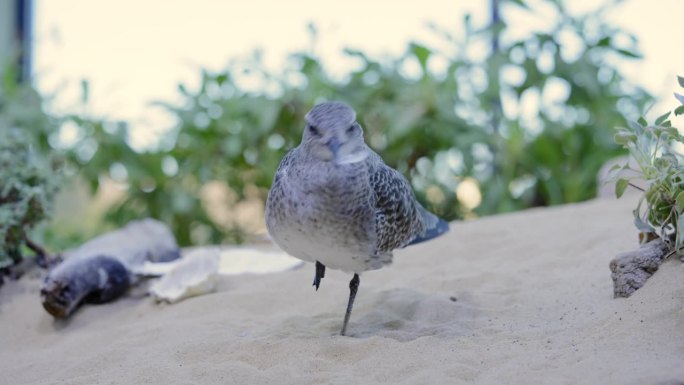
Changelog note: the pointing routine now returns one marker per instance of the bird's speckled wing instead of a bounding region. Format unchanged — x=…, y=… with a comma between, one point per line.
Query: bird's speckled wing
x=275, y=203
x=397, y=219
x=284, y=164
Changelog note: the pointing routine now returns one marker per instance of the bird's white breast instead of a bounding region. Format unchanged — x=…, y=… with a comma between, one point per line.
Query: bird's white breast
x=319, y=220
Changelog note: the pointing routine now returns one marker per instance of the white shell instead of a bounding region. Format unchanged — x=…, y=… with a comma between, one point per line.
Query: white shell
x=254, y=261
x=195, y=274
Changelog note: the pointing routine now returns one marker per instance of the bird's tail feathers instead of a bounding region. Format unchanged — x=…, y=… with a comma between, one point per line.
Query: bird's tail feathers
x=435, y=227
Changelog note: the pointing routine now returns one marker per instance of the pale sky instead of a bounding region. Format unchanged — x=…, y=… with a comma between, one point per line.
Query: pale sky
x=133, y=51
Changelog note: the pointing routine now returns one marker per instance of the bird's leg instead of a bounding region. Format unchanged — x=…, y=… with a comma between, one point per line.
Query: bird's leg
x=320, y=274
x=353, y=287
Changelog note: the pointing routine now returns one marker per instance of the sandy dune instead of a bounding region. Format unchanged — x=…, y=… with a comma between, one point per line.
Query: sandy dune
x=524, y=298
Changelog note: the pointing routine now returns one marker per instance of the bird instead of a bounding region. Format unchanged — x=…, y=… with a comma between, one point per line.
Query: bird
x=334, y=202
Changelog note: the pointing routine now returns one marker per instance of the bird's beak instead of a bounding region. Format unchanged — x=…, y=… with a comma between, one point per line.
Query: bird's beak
x=334, y=145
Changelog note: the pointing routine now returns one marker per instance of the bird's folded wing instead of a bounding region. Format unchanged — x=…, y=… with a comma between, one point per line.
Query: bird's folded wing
x=397, y=217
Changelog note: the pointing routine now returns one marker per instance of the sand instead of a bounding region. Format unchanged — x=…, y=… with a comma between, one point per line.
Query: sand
x=523, y=298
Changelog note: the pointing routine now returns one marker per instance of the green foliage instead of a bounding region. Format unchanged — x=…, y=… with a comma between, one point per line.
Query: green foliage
x=530, y=122
x=27, y=181
x=655, y=148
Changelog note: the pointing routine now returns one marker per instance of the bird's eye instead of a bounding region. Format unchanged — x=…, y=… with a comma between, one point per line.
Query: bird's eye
x=350, y=129
x=313, y=130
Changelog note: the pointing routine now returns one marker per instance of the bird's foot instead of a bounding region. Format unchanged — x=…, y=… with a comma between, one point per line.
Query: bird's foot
x=353, y=288
x=320, y=274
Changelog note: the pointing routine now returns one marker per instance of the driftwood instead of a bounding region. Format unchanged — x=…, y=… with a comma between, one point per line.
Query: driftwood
x=631, y=269
x=105, y=267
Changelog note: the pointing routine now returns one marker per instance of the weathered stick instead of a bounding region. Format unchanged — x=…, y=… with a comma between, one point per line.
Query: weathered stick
x=631, y=269
x=105, y=267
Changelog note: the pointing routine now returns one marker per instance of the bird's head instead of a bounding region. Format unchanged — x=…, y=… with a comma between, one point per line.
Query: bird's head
x=333, y=135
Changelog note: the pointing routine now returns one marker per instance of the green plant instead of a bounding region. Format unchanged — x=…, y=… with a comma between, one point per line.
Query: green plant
x=27, y=187
x=440, y=116
x=656, y=149
x=28, y=180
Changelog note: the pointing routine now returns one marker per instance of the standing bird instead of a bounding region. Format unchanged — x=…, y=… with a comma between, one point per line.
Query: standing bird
x=336, y=203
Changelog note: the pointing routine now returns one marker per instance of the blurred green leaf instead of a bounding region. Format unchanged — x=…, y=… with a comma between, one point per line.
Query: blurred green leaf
x=605, y=42
x=630, y=54
x=679, y=202
x=623, y=138
x=640, y=224
x=85, y=91
x=679, y=97
x=520, y=3
x=642, y=121
x=662, y=118
x=421, y=53
x=620, y=187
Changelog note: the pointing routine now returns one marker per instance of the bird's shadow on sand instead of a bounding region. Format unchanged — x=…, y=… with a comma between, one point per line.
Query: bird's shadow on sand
x=400, y=314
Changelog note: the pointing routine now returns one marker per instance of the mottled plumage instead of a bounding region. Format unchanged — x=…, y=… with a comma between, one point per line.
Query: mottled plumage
x=334, y=201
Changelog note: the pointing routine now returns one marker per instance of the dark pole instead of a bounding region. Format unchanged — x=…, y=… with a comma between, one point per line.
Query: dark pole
x=497, y=145
x=23, y=25
x=495, y=25
x=495, y=20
